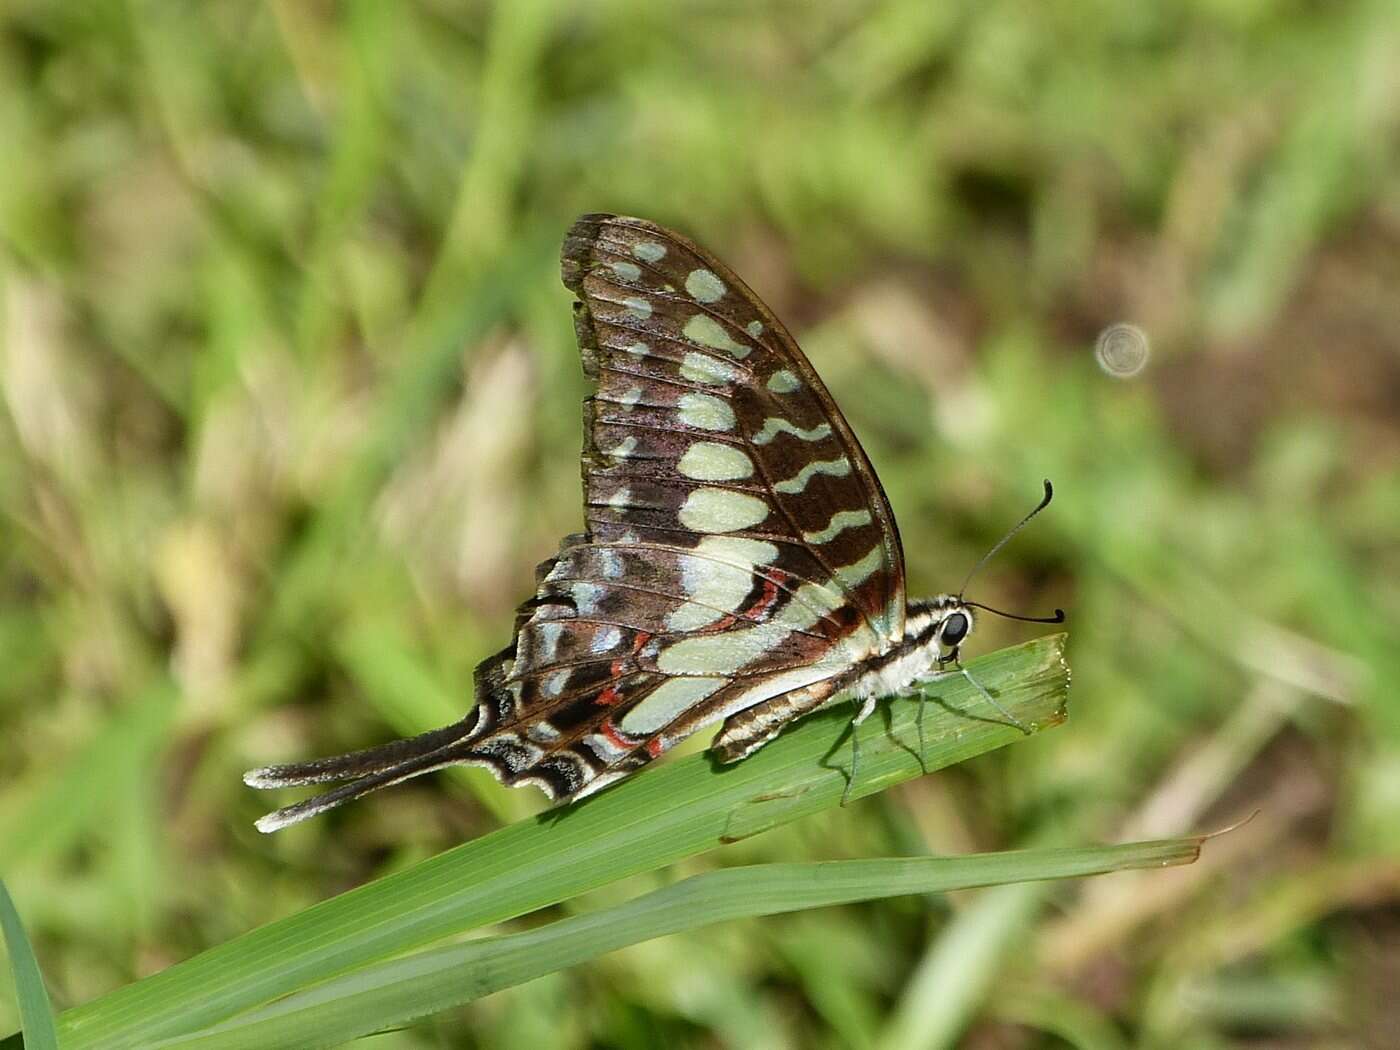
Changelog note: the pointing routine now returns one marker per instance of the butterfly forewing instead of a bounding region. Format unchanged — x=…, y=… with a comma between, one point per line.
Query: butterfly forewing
x=709, y=420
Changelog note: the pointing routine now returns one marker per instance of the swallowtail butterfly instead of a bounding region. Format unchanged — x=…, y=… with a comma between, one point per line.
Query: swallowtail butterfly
x=739, y=560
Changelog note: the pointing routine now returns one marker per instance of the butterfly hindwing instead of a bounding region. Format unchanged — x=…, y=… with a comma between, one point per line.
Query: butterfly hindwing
x=626, y=649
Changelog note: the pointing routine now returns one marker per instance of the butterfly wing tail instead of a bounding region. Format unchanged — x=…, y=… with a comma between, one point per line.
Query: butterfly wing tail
x=394, y=774
x=358, y=764
x=398, y=760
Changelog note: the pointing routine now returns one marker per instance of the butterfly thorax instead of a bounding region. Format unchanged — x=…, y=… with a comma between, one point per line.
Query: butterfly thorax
x=932, y=634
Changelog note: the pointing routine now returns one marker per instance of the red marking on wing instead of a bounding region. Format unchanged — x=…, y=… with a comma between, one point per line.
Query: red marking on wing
x=759, y=608
x=765, y=601
x=612, y=694
x=614, y=737
x=655, y=746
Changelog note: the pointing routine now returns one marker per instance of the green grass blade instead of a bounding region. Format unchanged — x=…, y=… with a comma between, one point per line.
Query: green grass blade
x=671, y=811
x=35, y=1010
x=947, y=987
x=400, y=991
x=73, y=795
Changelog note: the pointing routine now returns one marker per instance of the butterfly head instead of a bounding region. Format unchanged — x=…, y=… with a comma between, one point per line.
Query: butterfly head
x=940, y=625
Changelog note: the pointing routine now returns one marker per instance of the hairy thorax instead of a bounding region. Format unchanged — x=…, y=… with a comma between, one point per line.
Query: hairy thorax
x=918, y=657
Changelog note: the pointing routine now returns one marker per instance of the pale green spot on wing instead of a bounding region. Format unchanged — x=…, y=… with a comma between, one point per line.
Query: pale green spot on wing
x=624, y=448
x=712, y=461
x=691, y=616
x=649, y=251
x=667, y=702
x=737, y=550
x=705, y=412
x=725, y=652
x=705, y=330
x=542, y=733
x=612, y=563
x=705, y=286
x=637, y=307
x=719, y=510
x=774, y=425
x=840, y=522
x=718, y=575
x=702, y=368
x=714, y=593
x=837, y=468
x=855, y=574
x=626, y=270
x=783, y=382
x=549, y=632
x=586, y=596
x=808, y=604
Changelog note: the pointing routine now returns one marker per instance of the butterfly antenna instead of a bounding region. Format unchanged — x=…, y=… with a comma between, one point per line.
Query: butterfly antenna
x=1059, y=616
x=1045, y=502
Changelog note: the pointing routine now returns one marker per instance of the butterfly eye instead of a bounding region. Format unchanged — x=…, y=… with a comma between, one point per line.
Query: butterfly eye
x=954, y=629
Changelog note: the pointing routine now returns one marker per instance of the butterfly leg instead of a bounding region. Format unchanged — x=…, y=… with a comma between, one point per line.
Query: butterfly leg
x=864, y=708
x=914, y=690
x=919, y=724
x=992, y=700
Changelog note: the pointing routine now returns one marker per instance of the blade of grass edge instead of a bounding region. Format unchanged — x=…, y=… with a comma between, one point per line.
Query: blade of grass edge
x=670, y=811
x=35, y=1010
x=400, y=991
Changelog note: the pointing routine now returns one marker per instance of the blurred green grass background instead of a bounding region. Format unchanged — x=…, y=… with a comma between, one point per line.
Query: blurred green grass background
x=290, y=410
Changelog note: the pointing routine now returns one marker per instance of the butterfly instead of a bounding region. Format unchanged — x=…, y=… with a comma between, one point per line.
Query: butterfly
x=739, y=564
